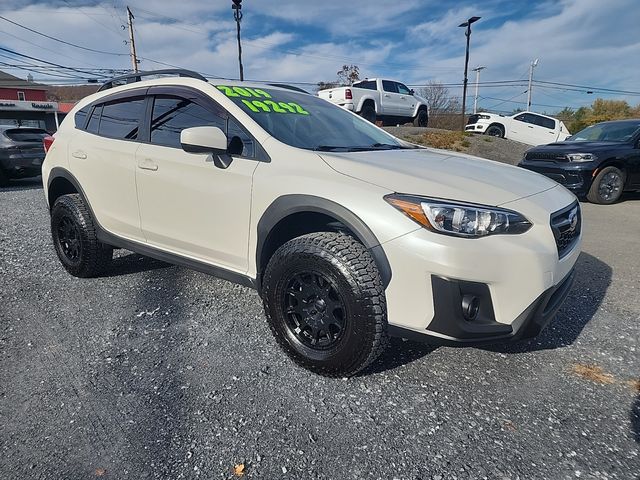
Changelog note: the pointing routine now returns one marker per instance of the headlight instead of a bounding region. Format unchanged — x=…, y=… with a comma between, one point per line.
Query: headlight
x=581, y=157
x=459, y=219
x=484, y=117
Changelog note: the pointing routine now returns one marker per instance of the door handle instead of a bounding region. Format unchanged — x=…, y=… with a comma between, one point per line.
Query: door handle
x=79, y=154
x=529, y=126
x=386, y=96
x=148, y=164
x=402, y=97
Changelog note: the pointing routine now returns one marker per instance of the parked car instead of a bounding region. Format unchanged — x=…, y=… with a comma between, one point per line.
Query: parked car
x=348, y=234
x=378, y=99
x=21, y=152
x=599, y=162
x=525, y=127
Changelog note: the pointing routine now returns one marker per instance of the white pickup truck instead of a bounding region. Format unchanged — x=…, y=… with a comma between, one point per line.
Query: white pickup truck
x=377, y=99
x=524, y=127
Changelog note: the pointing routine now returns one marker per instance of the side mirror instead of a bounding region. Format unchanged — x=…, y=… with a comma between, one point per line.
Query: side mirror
x=412, y=91
x=209, y=140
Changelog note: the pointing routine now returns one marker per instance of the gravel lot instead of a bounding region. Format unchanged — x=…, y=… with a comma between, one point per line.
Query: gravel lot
x=154, y=371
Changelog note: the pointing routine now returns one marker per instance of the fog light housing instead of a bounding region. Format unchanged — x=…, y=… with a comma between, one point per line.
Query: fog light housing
x=470, y=307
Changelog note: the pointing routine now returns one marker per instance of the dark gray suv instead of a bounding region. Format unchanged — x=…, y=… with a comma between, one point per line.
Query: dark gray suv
x=21, y=152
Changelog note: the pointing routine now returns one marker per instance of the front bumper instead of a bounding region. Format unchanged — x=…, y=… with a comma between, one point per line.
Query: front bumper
x=476, y=127
x=519, y=280
x=574, y=177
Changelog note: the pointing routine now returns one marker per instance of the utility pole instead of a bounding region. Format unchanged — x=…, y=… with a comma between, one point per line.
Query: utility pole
x=132, y=43
x=475, y=100
x=467, y=34
x=534, y=64
x=237, y=15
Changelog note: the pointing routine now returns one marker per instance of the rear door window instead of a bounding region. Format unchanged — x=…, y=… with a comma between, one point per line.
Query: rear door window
x=94, y=120
x=544, y=122
x=120, y=119
x=81, y=117
x=368, y=84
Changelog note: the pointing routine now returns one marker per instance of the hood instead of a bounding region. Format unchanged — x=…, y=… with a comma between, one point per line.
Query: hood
x=579, y=147
x=440, y=174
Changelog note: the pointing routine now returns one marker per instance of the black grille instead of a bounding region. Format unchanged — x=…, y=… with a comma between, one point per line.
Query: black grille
x=473, y=119
x=566, y=225
x=557, y=157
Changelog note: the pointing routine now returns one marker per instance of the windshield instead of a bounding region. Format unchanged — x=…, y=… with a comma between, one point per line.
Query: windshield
x=309, y=122
x=607, y=132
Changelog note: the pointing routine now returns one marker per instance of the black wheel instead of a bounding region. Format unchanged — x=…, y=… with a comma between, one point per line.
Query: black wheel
x=368, y=113
x=74, y=237
x=607, y=186
x=421, y=119
x=325, y=303
x=4, y=179
x=495, y=131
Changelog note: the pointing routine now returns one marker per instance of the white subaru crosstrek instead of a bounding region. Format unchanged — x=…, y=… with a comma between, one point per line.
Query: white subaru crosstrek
x=348, y=233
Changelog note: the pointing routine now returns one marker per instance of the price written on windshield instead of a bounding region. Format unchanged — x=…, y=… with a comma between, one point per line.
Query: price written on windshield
x=257, y=100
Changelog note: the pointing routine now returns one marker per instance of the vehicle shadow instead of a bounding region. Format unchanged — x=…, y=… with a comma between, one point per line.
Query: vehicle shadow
x=634, y=417
x=130, y=263
x=31, y=183
x=593, y=278
x=398, y=353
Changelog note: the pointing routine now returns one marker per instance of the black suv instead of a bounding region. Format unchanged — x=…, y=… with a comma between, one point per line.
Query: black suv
x=599, y=162
x=21, y=152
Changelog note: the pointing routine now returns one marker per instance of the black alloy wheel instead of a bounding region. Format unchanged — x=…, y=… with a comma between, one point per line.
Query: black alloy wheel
x=607, y=187
x=495, y=131
x=315, y=312
x=68, y=239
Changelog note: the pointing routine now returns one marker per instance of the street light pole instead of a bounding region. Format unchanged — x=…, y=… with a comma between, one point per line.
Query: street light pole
x=475, y=99
x=237, y=14
x=467, y=33
x=534, y=64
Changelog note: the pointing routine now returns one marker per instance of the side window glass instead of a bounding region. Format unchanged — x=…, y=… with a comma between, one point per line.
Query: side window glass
x=120, y=118
x=403, y=89
x=368, y=84
x=389, y=86
x=94, y=121
x=81, y=118
x=521, y=118
x=171, y=115
x=234, y=130
x=545, y=122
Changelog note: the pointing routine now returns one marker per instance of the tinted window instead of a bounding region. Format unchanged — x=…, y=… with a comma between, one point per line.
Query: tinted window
x=234, y=130
x=403, y=89
x=368, y=84
x=81, y=117
x=389, y=86
x=171, y=115
x=94, y=121
x=26, y=134
x=120, y=118
x=545, y=122
x=525, y=117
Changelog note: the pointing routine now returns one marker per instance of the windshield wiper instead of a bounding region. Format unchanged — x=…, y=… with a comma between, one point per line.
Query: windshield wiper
x=330, y=148
x=387, y=146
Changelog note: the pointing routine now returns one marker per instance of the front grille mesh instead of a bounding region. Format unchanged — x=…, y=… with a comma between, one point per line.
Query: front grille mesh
x=545, y=156
x=566, y=225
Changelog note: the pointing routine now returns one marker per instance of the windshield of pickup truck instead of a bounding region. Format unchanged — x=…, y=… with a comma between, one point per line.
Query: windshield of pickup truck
x=309, y=122
x=607, y=132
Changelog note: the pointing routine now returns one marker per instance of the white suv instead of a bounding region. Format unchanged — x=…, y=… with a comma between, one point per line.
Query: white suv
x=348, y=234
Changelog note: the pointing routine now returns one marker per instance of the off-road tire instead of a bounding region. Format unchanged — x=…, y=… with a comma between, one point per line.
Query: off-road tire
x=350, y=267
x=609, y=175
x=4, y=179
x=495, y=131
x=93, y=257
x=421, y=119
x=368, y=113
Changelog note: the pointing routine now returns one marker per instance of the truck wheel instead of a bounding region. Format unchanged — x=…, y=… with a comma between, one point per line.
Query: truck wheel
x=421, y=119
x=368, y=113
x=73, y=230
x=495, y=131
x=325, y=304
x=4, y=179
x=607, y=186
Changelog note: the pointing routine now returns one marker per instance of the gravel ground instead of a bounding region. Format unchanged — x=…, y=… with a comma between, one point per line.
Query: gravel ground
x=154, y=371
x=493, y=148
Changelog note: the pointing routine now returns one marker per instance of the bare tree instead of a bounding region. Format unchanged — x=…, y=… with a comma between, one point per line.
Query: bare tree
x=443, y=108
x=348, y=74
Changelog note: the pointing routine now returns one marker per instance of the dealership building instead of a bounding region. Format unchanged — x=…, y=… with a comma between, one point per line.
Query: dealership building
x=24, y=103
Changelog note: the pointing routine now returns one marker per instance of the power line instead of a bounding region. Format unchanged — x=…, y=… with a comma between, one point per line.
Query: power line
x=44, y=61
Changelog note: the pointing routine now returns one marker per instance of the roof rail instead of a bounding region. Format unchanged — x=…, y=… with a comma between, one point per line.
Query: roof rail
x=136, y=77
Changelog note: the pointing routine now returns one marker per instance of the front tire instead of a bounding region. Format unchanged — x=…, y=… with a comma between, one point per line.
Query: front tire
x=73, y=230
x=607, y=187
x=325, y=304
x=495, y=131
x=421, y=119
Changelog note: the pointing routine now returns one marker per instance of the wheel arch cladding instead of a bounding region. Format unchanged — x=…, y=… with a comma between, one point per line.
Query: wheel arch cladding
x=291, y=216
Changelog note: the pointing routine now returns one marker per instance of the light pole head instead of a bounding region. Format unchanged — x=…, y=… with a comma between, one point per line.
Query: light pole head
x=469, y=22
x=535, y=62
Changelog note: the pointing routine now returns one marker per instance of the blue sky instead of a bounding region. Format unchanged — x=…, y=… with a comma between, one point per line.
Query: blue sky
x=582, y=42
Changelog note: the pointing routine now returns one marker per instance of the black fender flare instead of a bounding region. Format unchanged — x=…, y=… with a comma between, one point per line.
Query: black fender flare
x=59, y=172
x=287, y=205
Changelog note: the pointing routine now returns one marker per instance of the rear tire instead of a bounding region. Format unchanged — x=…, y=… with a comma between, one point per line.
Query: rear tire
x=421, y=119
x=73, y=230
x=495, y=131
x=368, y=113
x=325, y=304
x=607, y=187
